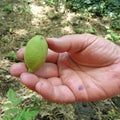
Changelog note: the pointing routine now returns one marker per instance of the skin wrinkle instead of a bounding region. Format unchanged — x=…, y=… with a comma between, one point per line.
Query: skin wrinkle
x=68, y=77
x=83, y=85
x=70, y=45
x=104, y=63
x=89, y=41
x=53, y=56
x=55, y=98
x=118, y=56
x=99, y=86
x=58, y=67
x=53, y=90
x=86, y=98
x=91, y=76
x=57, y=58
x=115, y=74
x=85, y=45
x=65, y=83
x=84, y=49
x=110, y=52
x=69, y=48
x=60, y=73
x=93, y=80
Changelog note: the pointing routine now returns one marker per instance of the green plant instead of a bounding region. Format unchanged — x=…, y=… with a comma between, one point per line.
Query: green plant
x=92, y=30
x=59, y=4
x=50, y=1
x=116, y=23
x=112, y=114
x=12, y=56
x=14, y=110
x=98, y=7
x=112, y=35
x=8, y=7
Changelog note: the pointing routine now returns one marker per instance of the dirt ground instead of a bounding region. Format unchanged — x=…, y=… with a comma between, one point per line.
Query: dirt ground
x=23, y=19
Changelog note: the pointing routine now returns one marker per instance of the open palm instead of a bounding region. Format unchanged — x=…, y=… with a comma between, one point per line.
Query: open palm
x=78, y=68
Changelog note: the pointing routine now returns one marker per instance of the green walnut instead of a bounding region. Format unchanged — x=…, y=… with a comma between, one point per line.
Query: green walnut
x=35, y=53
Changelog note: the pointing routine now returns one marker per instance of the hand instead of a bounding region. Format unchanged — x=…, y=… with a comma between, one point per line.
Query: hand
x=78, y=68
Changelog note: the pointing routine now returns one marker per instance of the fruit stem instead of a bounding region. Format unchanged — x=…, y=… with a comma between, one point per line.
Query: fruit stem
x=30, y=71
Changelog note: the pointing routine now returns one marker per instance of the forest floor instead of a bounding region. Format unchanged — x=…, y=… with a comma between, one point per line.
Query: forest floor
x=21, y=20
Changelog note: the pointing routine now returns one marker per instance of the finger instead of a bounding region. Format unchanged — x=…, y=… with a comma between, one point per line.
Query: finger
x=52, y=56
x=60, y=94
x=46, y=71
x=20, y=53
x=70, y=43
x=29, y=80
x=17, y=68
x=55, y=81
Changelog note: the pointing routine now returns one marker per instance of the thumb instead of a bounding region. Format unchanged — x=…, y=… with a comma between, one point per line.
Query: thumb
x=70, y=43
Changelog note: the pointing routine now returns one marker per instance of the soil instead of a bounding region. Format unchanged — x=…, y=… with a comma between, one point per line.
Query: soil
x=21, y=20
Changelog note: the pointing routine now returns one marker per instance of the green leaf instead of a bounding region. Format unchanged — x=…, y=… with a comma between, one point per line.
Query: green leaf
x=8, y=105
x=12, y=55
x=12, y=97
x=16, y=101
x=20, y=115
x=6, y=118
x=12, y=111
x=9, y=7
x=11, y=94
x=92, y=30
x=31, y=113
x=36, y=108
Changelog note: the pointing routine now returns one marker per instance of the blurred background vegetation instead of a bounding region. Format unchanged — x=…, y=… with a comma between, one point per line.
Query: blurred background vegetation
x=97, y=8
